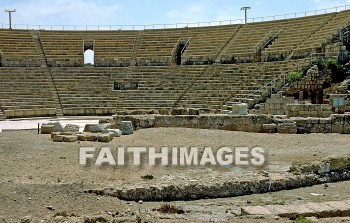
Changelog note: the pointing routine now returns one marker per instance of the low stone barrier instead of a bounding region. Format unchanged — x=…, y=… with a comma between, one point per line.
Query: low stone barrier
x=308, y=110
x=246, y=123
x=299, y=176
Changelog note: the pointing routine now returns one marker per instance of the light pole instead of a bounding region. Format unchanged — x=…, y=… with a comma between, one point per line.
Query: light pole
x=245, y=13
x=9, y=11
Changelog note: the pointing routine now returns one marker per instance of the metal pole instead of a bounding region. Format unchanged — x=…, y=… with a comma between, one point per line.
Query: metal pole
x=10, y=11
x=245, y=13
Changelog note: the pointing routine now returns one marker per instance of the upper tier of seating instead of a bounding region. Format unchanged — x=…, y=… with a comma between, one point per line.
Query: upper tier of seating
x=18, y=49
x=252, y=42
x=66, y=48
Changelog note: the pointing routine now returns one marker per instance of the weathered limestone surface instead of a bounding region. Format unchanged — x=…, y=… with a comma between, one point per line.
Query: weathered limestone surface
x=240, y=109
x=320, y=210
x=47, y=129
x=95, y=128
x=58, y=126
x=115, y=132
x=71, y=128
x=105, y=137
x=72, y=138
x=57, y=138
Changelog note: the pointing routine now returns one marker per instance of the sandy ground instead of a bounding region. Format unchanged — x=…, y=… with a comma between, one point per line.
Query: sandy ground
x=43, y=179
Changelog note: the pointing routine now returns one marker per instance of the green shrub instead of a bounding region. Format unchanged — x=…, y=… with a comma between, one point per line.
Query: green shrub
x=338, y=73
x=295, y=76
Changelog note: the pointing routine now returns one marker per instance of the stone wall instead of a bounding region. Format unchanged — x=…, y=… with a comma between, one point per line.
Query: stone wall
x=249, y=123
x=308, y=110
x=273, y=106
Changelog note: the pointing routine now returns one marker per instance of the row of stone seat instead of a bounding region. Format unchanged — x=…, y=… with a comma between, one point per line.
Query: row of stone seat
x=324, y=34
x=221, y=83
x=156, y=47
x=26, y=92
x=85, y=91
x=18, y=49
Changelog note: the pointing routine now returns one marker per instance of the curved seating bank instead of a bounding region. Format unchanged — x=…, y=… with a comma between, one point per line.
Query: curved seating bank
x=42, y=73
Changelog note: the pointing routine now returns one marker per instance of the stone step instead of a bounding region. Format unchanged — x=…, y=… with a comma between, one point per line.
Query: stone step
x=319, y=210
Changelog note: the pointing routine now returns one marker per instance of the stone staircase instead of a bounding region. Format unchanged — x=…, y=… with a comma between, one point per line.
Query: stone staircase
x=54, y=92
x=136, y=47
x=2, y=115
x=223, y=50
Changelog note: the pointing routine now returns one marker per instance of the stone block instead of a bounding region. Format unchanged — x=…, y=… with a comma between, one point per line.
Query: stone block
x=105, y=137
x=287, y=128
x=269, y=128
x=240, y=109
x=115, y=132
x=81, y=137
x=91, y=137
x=54, y=134
x=47, y=129
x=127, y=127
x=96, y=128
x=142, y=122
x=57, y=138
x=341, y=208
x=71, y=138
x=71, y=128
x=58, y=126
x=322, y=210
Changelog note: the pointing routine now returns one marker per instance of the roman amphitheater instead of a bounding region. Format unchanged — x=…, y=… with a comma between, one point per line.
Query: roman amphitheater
x=282, y=85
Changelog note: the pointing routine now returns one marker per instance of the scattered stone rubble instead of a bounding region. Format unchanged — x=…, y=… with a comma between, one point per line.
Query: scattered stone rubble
x=92, y=132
